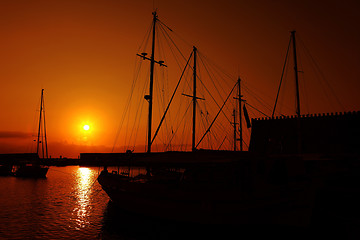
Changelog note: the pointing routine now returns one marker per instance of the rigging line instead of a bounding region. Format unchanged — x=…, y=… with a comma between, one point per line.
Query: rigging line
x=209, y=74
x=302, y=85
x=161, y=22
x=159, y=82
x=208, y=92
x=182, y=103
x=161, y=48
x=256, y=109
x=34, y=134
x=207, y=122
x=179, y=123
x=44, y=131
x=164, y=95
x=320, y=72
x=189, y=80
x=247, y=87
x=282, y=103
x=206, y=113
x=177, y=35
x=184, y=135
x=146, y=38
x=219, y=68
x=172, y=41
x=202, y=119
x=128, y=103
x=222, y=143
x=216, y=115
x=172, y=97
x=138, y=108
x=247, y=146
x=139, y=119
x=282, y=75
x=210, y=141
x=165, y=82
x=162, y=107
x=214, y=74
x=225, y=129
x=212, y=97
x=127, y=113
x=175, y=56
x=171, y=45
x=218, y=128
x=256, y=96
x=262, y=103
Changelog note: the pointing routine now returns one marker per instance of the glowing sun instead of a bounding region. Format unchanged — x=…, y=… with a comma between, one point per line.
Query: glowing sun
x=86, y=127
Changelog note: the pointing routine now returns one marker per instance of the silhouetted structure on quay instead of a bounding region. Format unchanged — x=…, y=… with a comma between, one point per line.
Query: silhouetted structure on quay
x=334, y=133
x=18, y=158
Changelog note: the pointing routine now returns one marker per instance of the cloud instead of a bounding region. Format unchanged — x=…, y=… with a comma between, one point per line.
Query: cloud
x=10, y=134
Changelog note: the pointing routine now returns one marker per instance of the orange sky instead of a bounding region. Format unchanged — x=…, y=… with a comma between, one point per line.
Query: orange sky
x=83, y=52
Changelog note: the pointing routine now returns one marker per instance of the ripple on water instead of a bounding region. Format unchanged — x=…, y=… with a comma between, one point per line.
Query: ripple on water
x=68, y=204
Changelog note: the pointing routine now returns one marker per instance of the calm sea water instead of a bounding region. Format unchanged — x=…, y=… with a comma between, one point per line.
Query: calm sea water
x=70, y=204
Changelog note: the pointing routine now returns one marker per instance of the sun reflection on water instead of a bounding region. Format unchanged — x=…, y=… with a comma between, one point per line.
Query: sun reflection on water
x=83, y=206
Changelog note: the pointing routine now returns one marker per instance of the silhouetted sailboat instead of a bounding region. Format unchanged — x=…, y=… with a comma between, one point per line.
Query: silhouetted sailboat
x=207, y=186
x=35, y=168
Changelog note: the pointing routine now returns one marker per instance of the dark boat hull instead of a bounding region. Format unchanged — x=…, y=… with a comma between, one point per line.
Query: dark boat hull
x=5, y=170
x=32, y=171
x=284, y=189
x=208, y=205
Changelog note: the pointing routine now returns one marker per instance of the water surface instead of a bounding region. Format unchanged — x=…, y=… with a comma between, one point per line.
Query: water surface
x=69, y=203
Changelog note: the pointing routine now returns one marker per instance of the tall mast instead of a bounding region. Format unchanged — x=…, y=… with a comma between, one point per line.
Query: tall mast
x=151, y=82
x=296, y=75
x=39, y=129
x=194, y=101
x=149, y=97
x=234, y=124
x=46, y=148
x=299, y=145
x=240, y=115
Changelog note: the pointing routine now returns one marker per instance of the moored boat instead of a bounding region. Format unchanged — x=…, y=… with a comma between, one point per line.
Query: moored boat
x=279, y=181
x=35, y=167
x=31, y=170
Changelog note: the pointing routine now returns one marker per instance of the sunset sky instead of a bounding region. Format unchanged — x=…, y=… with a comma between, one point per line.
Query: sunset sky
x=82, y=52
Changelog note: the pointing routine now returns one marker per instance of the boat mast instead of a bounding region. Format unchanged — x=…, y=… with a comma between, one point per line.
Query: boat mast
x=239, y=98
x=39, y=129
x=299, y=145
x=240, y=115
x=194, y=101
x=296, y=75
x=46, y=148
x=234, y=124
x=150, y=99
